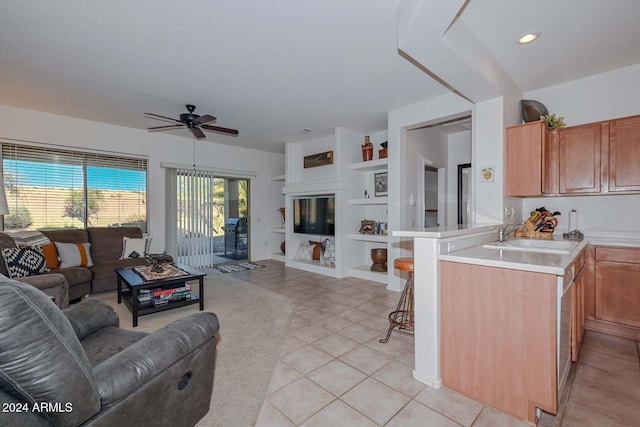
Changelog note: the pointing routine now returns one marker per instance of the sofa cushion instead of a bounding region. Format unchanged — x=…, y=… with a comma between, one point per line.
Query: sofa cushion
x=106, y=342
x=104, y=273
x=76, y=275
x=134, y=247
x=74, y=254
x=67, y=235
x=23, y=262
x=107, y=241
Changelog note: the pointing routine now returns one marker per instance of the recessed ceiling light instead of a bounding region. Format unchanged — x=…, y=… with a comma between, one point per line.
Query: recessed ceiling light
x=528, y=38
x=302, y=132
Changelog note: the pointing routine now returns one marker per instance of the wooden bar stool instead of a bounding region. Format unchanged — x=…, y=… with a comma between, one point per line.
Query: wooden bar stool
x=401, y=320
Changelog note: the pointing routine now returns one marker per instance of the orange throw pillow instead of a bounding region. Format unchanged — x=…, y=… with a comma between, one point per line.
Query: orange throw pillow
x=51, y=256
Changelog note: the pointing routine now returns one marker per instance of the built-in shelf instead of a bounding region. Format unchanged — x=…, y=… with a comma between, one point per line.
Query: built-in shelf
x=277, y=256
x=280, y=230
x=277, y=178
x=369, y=237
x=364, y=272
x=313, y=267
x=377, y=164
x=369, y=201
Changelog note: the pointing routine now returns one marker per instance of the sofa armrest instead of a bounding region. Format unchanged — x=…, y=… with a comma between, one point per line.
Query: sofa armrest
x=52, y=284
x=89, y=316
x=124, y=372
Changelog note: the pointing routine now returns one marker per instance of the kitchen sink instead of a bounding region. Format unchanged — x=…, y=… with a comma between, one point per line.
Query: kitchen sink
x=532, y=245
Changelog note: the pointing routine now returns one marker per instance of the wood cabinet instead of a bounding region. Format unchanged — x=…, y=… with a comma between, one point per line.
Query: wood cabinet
x=532, y=163
x=612, y=291
x=624, y=154
x=595, y=158
x=580, y=155
x=618, y=285
x=499, y=336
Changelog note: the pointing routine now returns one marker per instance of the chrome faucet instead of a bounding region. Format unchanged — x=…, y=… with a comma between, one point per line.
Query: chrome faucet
x=503, y=232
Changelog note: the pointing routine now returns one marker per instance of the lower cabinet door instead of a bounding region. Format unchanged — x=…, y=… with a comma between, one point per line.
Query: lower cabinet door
x=618, y=292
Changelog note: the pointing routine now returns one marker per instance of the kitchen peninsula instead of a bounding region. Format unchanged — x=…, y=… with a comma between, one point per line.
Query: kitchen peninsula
x=508, y=320
x=502, y=326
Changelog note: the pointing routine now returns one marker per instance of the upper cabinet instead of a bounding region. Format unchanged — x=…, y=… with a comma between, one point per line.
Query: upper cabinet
x=624, y=154
x=589, y=159
x=532, y=160
x=580, y=154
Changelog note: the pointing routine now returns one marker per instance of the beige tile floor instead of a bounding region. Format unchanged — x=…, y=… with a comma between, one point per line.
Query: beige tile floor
x=333, y=371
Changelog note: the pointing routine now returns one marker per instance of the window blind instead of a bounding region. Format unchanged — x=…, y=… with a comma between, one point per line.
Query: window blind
x=195, y=210
x=55, y=188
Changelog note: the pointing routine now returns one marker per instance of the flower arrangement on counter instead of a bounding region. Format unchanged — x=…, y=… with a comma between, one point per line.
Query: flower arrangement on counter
x=540, y=224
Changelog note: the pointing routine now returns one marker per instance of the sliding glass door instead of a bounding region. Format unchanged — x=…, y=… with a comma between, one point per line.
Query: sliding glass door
x=211, y=218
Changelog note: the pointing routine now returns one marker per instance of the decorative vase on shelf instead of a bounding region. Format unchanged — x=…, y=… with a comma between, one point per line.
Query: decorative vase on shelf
x=282, y=215
x=379, y=258
x=367, y=149
x=283, y=246
x=382, y=153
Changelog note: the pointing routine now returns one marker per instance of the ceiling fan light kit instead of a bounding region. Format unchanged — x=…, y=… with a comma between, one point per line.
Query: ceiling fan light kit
x=191, y=121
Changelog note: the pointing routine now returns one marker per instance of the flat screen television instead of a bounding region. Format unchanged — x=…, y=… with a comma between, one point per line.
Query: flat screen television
x=314, y=215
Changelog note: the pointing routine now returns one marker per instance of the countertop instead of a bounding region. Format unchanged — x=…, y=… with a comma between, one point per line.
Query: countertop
x=516, y=260
x=535, y=261
x=446, y=231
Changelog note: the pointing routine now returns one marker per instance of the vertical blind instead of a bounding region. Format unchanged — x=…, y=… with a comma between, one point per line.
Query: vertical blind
x=55, y=188
x=195, y=211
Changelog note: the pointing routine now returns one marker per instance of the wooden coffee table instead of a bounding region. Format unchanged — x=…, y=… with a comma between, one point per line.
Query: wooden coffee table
x=134, y=283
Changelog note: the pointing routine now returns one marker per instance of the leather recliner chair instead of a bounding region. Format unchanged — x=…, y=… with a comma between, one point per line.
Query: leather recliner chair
x=77, y=367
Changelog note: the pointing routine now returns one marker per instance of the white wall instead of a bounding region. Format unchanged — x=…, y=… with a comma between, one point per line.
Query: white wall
x=266, y=195
x=600, y=97
x=423, y=145
x=488, y=151
x=459, y=153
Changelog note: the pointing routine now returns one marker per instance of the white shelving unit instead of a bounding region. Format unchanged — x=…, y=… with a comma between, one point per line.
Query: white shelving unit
x=364, y=272
x=346, y=178
x=369, y=201
x=280, y=230
x=361, y=180
x=370, y=165
x=277, y=256
x=378, y=238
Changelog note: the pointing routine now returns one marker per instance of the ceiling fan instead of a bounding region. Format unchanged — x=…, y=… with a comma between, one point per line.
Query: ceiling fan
x=191, y=121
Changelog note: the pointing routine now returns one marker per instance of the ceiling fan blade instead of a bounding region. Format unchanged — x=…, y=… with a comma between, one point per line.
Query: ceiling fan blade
x=166, y=119
x=219, y=129
x=161, y=128
x=197, y=132
x=205, y=119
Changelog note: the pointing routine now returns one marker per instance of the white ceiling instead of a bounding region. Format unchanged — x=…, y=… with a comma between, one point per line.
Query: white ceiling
x=273, y=68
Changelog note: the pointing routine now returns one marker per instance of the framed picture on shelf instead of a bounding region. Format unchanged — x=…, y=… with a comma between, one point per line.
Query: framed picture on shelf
x=380, y=184
x=368, y=227
x=320, y=159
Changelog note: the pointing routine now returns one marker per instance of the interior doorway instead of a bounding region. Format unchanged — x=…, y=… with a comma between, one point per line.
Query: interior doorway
x=441, y=146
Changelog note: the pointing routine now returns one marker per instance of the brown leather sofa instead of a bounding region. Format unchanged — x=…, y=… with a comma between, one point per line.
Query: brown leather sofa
x=106, y=249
